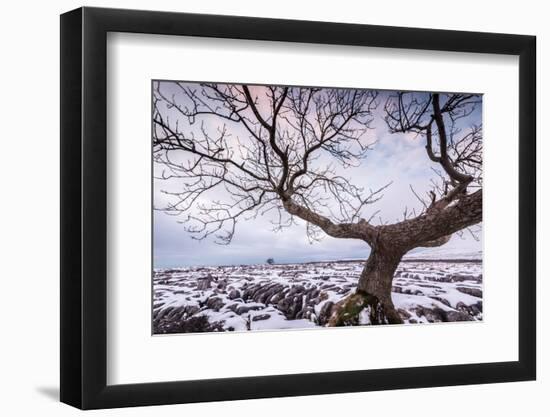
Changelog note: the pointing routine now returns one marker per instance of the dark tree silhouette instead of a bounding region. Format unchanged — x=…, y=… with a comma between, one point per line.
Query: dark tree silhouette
x=236, y=151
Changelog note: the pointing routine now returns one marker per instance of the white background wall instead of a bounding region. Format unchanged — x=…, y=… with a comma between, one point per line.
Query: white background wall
x=29, y=237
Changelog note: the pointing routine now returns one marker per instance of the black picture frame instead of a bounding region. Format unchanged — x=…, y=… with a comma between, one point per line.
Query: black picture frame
x=84, y=207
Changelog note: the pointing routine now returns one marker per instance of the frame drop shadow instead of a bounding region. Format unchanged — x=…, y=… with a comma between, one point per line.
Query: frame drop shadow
x=50, y=392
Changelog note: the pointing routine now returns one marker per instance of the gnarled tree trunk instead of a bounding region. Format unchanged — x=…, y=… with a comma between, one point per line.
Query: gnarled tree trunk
x=372, y=303
x=377, y=277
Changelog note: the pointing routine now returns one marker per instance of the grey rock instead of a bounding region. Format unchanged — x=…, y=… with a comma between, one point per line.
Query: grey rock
x=233, y=307
x=261, y=317
x=178, y=311
x=275, y=298
x=285, y=304
x=460, y=306
x=405, y=315
x=461, y=278
x=164, y=312
x=325, y=313
x=214, y=303
x=222, y=284
x=441, y=300
x=458, y=316
x=258, y=292
x=476, y=292
x=479, y=306
x=204, y=282
x=307, y=312
x=267, y=293
x=245, y=309
x=296, y=306
x=290, y=306
x=234, y=294
x=313, y=294
x=428, y=286
x=434, y=315
x=296, y=289
x=248, y=292
x=190, y=310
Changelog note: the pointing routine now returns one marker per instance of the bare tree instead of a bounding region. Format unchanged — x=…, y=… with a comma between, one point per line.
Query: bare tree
x=275, y=150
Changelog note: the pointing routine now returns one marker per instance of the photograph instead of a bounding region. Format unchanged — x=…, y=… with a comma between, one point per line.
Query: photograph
x=291, y=207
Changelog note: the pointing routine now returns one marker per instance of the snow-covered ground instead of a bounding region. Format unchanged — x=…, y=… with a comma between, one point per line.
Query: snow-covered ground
x=261, y=297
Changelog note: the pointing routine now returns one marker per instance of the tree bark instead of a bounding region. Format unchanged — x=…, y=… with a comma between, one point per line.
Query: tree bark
x=371, y=303
x=377, y=277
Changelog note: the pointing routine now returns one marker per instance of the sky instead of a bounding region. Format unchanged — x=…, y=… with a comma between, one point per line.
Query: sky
x=399, y=158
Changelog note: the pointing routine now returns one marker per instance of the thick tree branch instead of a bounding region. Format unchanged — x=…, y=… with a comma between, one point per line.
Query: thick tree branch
x=443, y=144
x=431, y=227
x=361, y=230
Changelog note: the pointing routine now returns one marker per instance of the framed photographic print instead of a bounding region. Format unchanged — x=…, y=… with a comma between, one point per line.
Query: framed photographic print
x=257, y=208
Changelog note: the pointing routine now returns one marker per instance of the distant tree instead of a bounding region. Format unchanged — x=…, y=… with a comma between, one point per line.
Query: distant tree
x=270, y=261
x=274, y=149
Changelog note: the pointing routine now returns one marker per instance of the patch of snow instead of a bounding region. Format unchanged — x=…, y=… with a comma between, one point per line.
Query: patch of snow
x=364, y=315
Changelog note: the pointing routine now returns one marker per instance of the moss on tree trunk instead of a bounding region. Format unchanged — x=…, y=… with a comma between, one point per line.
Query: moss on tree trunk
x=371, y=303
